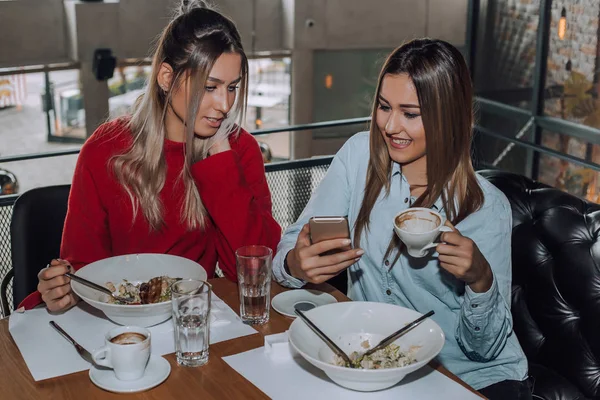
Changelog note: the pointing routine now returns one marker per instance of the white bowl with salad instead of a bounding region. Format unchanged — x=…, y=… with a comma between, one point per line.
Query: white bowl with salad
x=142, y=278
x=357, y=326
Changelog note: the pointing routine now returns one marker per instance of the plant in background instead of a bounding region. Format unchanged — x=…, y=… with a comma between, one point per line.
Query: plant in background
x=581, y=101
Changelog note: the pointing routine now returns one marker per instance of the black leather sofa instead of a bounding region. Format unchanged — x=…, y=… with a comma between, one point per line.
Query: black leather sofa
x=556, y=286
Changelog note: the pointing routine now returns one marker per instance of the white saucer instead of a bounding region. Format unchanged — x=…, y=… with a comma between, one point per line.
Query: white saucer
x=285, y=303
x=157, y=370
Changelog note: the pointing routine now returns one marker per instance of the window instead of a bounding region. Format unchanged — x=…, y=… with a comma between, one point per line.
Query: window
x=552, y=86
x=505, y=62
x=572, y=79
x=269, y=90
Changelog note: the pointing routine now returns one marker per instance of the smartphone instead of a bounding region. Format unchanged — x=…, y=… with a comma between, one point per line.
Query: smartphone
x=327, y=228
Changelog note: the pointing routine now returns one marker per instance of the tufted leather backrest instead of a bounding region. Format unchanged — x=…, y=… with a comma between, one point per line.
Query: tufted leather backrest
x=556, y=278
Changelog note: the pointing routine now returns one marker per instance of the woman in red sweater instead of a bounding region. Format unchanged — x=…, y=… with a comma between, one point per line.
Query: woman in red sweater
x=179, y=176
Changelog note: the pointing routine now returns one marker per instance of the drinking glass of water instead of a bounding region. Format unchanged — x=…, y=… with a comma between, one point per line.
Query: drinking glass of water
x=191, y=315
x=254, y=265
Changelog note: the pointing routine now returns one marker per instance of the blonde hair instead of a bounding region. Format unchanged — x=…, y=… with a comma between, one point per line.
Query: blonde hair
x=191, y=43
x=443, y=85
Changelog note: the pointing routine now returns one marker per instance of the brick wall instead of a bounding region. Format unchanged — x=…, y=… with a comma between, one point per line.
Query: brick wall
x=508, y=51
x=580, y=46
x=508, y=46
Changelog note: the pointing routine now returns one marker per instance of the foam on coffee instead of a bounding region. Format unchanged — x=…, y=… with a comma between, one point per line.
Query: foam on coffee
x=420, y=221
x=128, y=338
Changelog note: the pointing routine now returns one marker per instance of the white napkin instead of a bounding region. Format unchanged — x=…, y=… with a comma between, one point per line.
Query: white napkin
x=220, y=313
x=281, y=373
x=47, y=354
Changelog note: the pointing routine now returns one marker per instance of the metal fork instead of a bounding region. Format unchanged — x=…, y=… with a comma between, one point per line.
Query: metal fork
x=95, y=286
x=99, y=288
x=390, y=339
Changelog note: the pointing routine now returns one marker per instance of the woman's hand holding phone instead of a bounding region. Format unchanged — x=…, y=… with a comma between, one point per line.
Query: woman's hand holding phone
x=307, y=262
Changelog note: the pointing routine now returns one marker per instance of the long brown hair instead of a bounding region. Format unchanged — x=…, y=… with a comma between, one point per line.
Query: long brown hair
x=191, y=43
x=443, y=85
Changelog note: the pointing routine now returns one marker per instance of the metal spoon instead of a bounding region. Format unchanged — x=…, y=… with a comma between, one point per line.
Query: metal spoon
x=388, y=340
x=334, y=347
x=99, y=288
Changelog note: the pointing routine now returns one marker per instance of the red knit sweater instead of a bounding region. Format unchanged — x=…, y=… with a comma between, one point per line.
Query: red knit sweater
x=232, y=186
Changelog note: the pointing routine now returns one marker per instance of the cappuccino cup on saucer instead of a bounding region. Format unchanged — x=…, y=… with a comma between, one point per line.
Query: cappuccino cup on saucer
x=126, y=351
x=418, y=228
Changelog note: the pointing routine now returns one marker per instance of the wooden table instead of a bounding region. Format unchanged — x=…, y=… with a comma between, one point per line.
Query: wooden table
x=215, y=380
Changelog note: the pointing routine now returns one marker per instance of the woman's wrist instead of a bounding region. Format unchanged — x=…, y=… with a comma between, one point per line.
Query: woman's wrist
x=484, y=283
x=286, y=263
x=219, y=147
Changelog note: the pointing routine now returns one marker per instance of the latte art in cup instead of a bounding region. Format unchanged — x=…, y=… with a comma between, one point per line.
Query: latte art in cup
x=418, y=228
x=126, y=351
x=128, y=338
x=417, y=221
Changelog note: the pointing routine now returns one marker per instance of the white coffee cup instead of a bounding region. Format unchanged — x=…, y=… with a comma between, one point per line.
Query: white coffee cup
x=127, y=351
x=418, y=227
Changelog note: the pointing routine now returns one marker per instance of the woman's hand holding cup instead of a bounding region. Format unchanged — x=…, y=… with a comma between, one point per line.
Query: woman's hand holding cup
x=307, y=262
x=418, y=228
x=460, y=256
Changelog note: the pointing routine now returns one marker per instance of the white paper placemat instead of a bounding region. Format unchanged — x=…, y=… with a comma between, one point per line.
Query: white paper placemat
x=288, y=376
x=47, y=354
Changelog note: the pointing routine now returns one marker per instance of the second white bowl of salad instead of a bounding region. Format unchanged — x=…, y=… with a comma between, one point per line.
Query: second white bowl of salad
x=126, y=275
x=357, y=326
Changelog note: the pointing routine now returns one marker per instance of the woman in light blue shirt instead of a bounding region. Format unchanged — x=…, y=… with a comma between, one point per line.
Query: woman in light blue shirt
x=417, y=154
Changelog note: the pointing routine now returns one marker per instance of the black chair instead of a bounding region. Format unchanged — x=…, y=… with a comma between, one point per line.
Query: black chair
x=556, y=286
x=4, y=285
x=292, y=183
x=36, y=230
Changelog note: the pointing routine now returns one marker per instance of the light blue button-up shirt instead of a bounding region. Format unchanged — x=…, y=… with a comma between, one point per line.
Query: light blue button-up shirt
x=481, y=347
